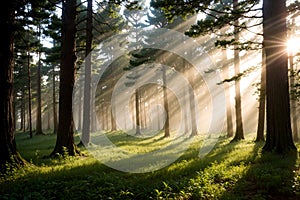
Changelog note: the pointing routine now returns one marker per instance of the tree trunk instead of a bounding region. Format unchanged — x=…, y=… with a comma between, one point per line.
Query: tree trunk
x=186, y=119
x=86, y=128
x=279, y=134
x=22, y=114
x=9, y=154
x=80, y=108
x=48, y=118
x=112, y=119
x=192, y=108
x=137, y=113
x=229, y=124
x=65, y=135
x=39, y=130
x=54, y=102
x=29, y=95
x=262, y=102
x=166, y=104
x=157, y=109
x=239, y=132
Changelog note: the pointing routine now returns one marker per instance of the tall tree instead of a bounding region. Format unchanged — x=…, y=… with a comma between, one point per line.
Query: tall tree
x=8, y=149
x=39, y=130
x=262, y=102
x=85, y=138
x=279, y=134
x=65, y=134
x=239, y=131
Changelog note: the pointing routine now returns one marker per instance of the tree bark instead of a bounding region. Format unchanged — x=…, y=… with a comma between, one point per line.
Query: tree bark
x=39, y=130
x=22, y=114
x=262, y=102
x=137, y=113
x=193, y=111
x=279, y=134
x=239, y=132
x=166, y=104
x=54, y=102
x=29, y=94
x=9, y=154
x=229, y=124
x=65, y=135
x=86, y=128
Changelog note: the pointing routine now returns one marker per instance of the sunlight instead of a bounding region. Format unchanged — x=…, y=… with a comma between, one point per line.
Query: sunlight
x=293, y=45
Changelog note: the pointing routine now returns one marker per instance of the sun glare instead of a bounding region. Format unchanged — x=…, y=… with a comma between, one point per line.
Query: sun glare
x=293, y=45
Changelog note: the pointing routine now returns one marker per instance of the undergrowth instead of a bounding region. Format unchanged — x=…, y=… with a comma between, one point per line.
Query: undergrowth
x=230, y=171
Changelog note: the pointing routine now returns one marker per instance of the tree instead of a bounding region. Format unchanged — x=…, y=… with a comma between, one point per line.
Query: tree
x=217, y=17
x=239, y=131
x=279, y=134
x=262, y=102
x=8, y=149
x=85, y=139
x=65, y=134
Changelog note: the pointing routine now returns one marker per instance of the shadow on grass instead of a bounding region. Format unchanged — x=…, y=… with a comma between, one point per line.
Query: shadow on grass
x=270, y=176
x=87, y=178
x=255, y=176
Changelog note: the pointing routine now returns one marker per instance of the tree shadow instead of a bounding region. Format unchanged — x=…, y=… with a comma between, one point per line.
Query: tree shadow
x=264, y=176
x=270, y=176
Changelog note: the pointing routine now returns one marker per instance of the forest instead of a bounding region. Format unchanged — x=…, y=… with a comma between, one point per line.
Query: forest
x=150, y=99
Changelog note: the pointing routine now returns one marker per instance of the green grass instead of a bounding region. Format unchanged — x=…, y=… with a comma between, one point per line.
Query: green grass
x=229, y=171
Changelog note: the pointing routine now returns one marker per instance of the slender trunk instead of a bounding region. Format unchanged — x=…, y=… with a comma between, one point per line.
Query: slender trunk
x=141, y=111
x=239, y=132
x=29, y=94
x=137, y=113
x=48, y=118
x=80, y=109
x=65, y=135
x=86, y=128
x=113, y=121
x=158, y=111
x=262, y=102
x=22, y=114
x=229, y=124
x=279, y=134
x=192, y=109
x=166, y=103
x=39, y=130
x=54, y=102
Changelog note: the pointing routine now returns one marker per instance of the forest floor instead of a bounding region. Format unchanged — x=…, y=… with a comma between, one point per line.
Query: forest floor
x=230, y=171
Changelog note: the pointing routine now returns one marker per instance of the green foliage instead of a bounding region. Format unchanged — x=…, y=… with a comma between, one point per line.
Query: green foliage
x=230, y=171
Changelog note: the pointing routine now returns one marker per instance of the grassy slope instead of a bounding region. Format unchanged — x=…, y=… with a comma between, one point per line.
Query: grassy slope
x=230, y=171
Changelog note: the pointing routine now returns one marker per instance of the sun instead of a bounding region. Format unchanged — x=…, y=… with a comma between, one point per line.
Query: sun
x=293, y=45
